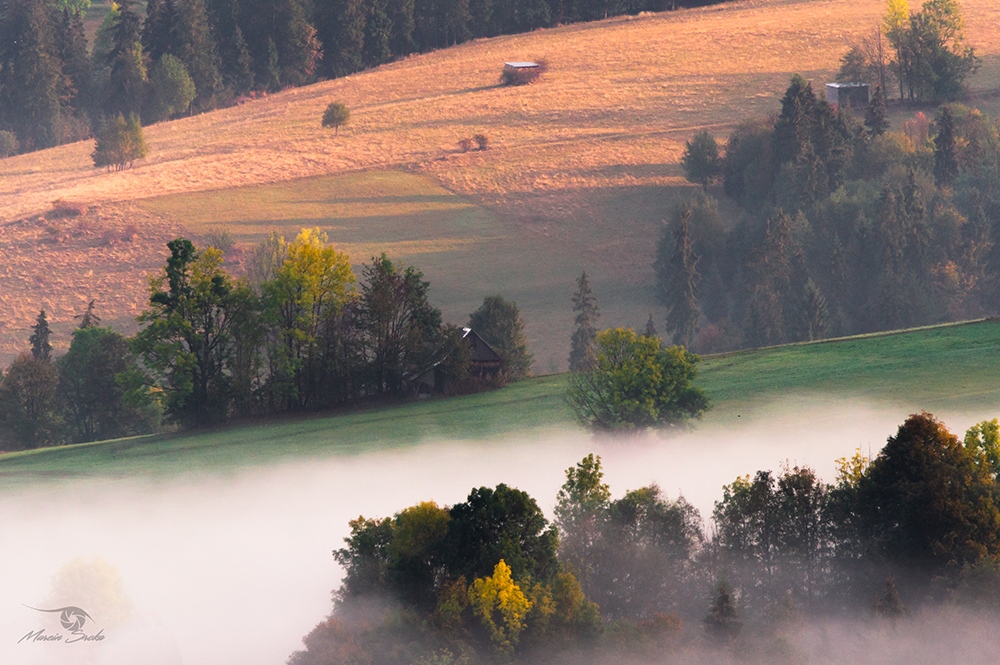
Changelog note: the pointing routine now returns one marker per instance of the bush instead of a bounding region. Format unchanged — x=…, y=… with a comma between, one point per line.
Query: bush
x=466, y=144
x=172, y=89
x=636, y=384
x=9, y=145
x=336, y=114
x=482, y=141
x=119, y=143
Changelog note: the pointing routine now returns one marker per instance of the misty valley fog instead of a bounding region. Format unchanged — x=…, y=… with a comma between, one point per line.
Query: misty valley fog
x=236, y=567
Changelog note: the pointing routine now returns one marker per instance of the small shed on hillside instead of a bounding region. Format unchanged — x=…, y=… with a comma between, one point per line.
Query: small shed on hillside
x=519, y=73
x=852, y=95
x=485, y=361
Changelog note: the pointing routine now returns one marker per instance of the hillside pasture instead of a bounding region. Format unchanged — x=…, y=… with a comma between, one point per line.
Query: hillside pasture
x=583, y=165
x=948, y=370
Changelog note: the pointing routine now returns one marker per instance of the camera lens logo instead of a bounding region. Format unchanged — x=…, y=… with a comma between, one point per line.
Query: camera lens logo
x=71, y=618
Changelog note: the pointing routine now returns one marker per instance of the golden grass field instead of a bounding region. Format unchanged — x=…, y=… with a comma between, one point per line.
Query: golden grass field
x=581, y=168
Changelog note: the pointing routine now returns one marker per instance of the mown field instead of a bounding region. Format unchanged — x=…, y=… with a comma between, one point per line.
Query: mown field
x=582, y=166
x=950, y=368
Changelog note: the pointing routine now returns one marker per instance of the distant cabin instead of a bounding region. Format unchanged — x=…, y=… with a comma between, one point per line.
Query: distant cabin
x=485, y=361
x=519, y=73
x=852, y=95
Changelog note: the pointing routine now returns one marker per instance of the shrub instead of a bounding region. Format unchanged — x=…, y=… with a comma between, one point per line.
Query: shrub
x=119, y=143
x=9, y=144
x=336, y=114
x=482, y=141
x=466, y=144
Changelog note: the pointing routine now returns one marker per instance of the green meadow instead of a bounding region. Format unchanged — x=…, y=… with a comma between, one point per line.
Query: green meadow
x=950, y=367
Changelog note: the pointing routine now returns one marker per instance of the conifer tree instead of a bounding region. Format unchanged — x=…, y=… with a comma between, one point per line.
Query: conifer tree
x=71, y=43
x=41, y=348
x=378, y=35
x=815, y=314
x=299, y=48
x=89, y=319
x=650, y=330
x=340, y=26
x=582, y=355
x=30, y=73
x=127, y=78
x=771, y=274
x=677, y=280
x=876, y=116
x=401, y=15
x=945, y=158
x=236, y=64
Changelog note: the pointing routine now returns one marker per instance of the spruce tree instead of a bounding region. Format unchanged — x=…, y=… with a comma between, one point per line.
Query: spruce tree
x=89, y=319
x=378, y=35
x=650, y=330
x=678, y=278
x=30, y=73
x=771, y=273
x=876, y=116
x=71, y=42
x=401, y=15
x=299, y=48
x=582, y=355
x=340, y=25
x=945, y=158
x=236, y=64
x=41, y=348
x=815, y=314
x=127, y=79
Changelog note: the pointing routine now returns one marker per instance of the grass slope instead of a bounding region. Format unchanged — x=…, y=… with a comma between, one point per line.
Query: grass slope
x=941, y=367
x=582, y=168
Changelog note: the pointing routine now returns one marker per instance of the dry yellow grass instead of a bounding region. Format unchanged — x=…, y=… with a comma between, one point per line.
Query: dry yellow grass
x=578, y=161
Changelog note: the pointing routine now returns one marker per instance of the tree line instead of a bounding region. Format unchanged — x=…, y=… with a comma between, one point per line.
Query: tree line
x=172, y=57
x=842, y=226
x=490, y=579
x=300, y=331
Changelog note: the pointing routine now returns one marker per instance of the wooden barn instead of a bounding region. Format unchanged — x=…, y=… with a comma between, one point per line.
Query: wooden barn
x=851, y=95
x=485, y=361
x=519, y=73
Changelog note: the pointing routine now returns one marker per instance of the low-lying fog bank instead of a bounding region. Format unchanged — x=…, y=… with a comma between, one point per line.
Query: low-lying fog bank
x=236, y=568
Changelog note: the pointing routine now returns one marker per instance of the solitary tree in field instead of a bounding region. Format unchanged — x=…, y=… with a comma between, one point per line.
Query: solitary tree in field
x=636, y=384
x=336, y=114
x=581, y=355
x=701, y=159
x=120, y=143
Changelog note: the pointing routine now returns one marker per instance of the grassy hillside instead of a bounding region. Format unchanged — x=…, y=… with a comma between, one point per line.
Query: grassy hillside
x=945, y=367
x=583, y=165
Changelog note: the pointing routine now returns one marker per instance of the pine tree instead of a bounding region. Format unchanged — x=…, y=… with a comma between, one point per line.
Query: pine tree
x=234, y=54
x=127, y=79
x=401, y=15
x=71, y=42
x=770, y=288
x=582, y=355
x=89, y=319
x=945, y=158
x=650, y=330
x=815, y=314
x=876, y=116
x=41, y=348
x=378, y=35
x=340, y=25
x=30, y=73
x=678, y=279
x=890, y=605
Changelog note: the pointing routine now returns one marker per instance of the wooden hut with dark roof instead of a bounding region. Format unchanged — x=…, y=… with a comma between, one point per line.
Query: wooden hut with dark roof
x=485, y=362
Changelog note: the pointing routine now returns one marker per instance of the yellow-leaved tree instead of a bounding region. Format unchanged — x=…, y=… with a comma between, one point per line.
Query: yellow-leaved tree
x=501, y=606
x=309, y=289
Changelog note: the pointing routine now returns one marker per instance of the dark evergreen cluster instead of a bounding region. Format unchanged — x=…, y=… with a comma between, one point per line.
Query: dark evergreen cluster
x=179, y=56
x=842, y=228
x=640, y=578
